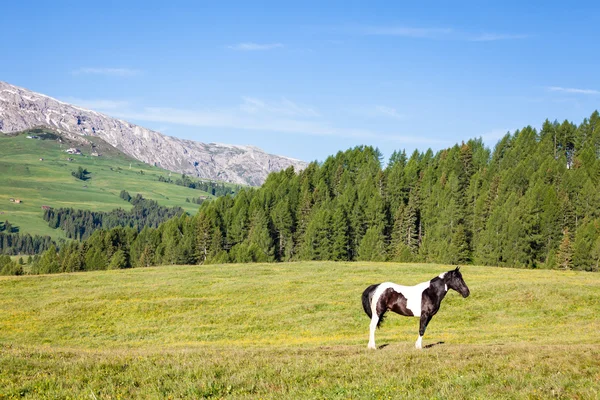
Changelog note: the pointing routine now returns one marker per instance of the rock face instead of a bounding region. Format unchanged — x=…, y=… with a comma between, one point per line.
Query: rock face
x=22, y=109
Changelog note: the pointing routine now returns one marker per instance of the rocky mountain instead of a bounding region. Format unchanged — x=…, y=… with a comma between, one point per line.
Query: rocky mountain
x=22, y=109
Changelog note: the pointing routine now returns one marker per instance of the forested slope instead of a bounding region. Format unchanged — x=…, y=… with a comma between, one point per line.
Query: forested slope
x=533, y=200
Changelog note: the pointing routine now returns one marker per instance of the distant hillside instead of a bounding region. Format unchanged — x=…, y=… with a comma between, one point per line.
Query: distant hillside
x=37, y=172
x=22, y=109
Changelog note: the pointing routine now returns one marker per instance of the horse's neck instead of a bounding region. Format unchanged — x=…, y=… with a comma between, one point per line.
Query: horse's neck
x=440, y=287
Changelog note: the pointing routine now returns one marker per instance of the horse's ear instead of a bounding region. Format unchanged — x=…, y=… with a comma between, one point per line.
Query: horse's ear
x=457, y=268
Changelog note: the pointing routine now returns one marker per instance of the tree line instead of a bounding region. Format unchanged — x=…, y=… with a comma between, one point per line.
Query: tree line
x=214, y=188
x=80, y=224
x=531, y=202
x=12, y=242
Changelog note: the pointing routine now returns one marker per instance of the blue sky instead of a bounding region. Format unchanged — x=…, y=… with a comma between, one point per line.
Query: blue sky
x=308, y=79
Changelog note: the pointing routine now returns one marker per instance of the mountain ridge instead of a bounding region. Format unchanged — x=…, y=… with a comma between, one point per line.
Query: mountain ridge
x=22, y=109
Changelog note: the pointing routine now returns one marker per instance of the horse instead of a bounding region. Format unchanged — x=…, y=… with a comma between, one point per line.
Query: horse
x=422, y=300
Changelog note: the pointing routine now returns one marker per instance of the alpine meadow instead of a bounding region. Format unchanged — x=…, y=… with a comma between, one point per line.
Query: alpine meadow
x=295, y=330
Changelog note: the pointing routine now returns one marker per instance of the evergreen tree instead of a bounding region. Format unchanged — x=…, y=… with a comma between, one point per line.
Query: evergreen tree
x=340, y=243
x=9, y=267
x=203, y=236
x=259, y=238
x=564, y=257
x=316, y=244
x=283, y=224
x=49, y=262
x=95, y=260
x=119, y=260
x=372, y=246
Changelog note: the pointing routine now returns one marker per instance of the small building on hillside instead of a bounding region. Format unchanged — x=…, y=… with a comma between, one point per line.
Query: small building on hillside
x=73, y=150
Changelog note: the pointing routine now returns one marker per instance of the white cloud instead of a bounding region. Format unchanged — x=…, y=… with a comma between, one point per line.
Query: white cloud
x=491, y=37
x=235, y=120
x=429, y=33
x=438, y=33
x=248, y=46
x=388, y=112
x=572, y=90
x=252, y=105
x=254, y=114
x=123, y=72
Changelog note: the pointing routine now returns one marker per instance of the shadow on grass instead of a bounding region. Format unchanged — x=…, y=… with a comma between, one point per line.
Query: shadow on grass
x=383, y=346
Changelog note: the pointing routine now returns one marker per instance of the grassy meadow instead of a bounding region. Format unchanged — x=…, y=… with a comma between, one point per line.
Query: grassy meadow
x=295, y=330
x=49, y=182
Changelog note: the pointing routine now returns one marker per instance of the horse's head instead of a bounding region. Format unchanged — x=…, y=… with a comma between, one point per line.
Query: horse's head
x=455, y=281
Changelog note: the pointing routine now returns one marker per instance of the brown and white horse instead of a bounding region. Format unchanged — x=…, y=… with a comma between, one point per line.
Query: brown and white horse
x=422, y=300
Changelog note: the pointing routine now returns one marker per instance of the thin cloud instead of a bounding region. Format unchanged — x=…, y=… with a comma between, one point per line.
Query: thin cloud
x=122, y=72
x=427, y=33
x=438, y=33
x=252, y=105
x=572, y=90
x=491, y=37
x=284, y=116
x=388, y=112
x=255, y=46
x=228, y=119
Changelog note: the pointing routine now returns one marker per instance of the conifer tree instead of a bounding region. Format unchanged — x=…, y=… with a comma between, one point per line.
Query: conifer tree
x=118, y=260
x=340, y=242
x=259, y=238
x=564, y=256
x=283, y=223
x=49, y=262
x=372, y=246
x=95, y=260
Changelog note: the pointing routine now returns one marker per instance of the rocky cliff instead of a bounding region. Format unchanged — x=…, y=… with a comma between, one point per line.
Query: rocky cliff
x=22, y=109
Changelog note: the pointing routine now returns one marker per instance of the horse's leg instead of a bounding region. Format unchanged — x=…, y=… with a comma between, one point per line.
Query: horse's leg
x=425, y=318
x=373, y=327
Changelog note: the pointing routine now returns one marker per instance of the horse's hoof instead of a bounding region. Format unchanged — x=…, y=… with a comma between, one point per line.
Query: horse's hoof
x=371, y=347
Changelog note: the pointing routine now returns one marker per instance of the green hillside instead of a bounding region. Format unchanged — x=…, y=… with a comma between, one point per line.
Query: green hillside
x=49, y=182
x=295, y=330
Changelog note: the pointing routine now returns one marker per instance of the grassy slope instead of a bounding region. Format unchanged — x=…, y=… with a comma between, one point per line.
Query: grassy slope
x=49, y=182
x=295, y=331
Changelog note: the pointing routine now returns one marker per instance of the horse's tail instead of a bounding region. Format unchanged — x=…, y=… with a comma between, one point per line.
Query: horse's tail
x=367, y=297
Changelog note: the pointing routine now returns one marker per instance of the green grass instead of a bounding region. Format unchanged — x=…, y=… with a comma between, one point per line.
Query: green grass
x=295, y=331
x=49, y=182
